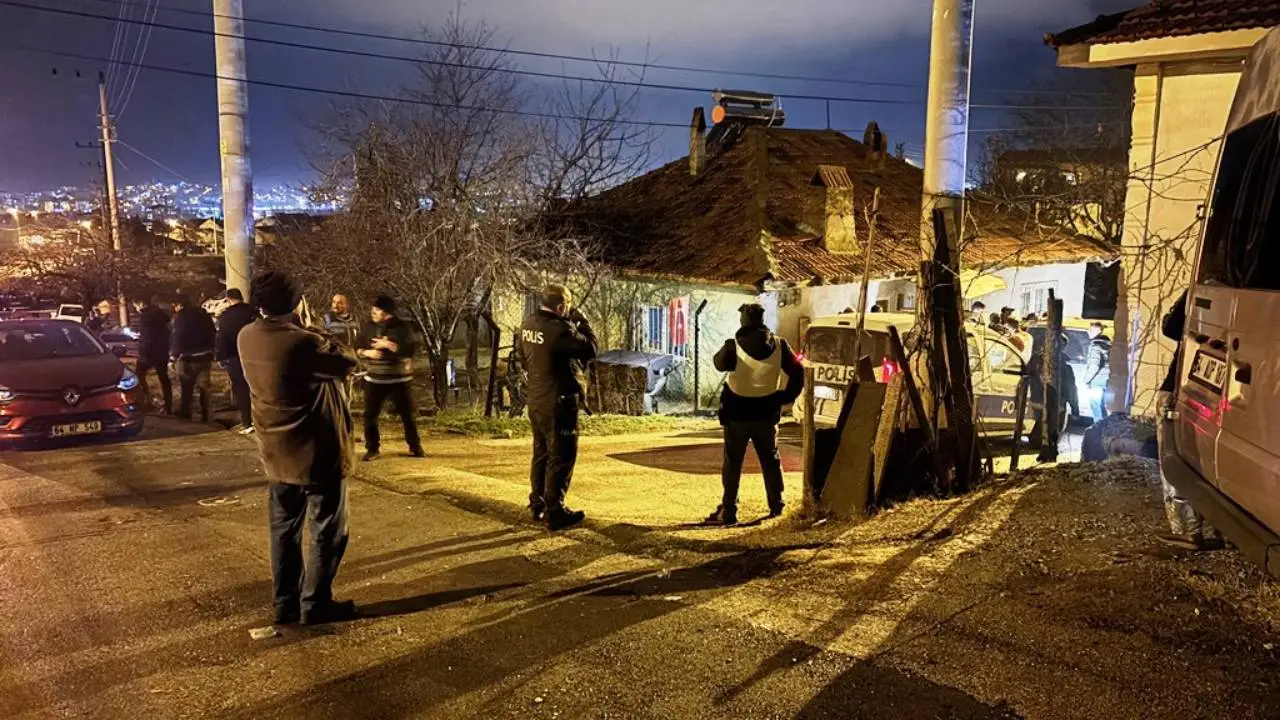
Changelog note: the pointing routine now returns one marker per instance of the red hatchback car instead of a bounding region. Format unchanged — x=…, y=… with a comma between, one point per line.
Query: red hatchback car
x=58, y=381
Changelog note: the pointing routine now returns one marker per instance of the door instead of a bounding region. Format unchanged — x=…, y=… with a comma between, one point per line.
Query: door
x=996, y=375
x=1233, y=348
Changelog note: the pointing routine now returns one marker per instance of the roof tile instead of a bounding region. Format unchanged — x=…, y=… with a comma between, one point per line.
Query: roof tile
x=1171, y=18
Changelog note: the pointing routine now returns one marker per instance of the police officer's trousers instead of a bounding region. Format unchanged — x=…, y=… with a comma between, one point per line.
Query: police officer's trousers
x=326, y=507
x=764, y=435
x=555, y=452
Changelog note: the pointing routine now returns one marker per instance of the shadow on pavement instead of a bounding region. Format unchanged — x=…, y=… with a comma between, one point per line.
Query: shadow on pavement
x=702, y=459
x=426, y=601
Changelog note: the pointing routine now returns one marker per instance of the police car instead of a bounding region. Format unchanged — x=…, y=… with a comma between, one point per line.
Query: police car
x=997, y=366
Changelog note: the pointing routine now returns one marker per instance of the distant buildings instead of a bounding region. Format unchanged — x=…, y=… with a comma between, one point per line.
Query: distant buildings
x=163, y=201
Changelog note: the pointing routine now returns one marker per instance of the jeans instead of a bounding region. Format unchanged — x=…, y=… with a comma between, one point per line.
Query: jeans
x=764, y=435
x=555, y=453
x=375, y=395
x=240, y=392
x=194, y=376
x=161, y=368
x=1097, y=402
x=327, y=508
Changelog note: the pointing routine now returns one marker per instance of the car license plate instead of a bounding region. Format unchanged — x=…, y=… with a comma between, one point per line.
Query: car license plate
x=1209, y=371
x=81, y=428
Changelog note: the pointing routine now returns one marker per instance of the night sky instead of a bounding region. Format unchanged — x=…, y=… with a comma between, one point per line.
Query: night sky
x=173, y=118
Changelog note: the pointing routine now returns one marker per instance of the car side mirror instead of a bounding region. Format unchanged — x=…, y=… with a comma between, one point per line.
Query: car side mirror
x=119, y=350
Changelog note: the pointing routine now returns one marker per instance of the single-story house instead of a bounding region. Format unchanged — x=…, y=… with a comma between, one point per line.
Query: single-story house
x=1187, y=57
x=778, y=216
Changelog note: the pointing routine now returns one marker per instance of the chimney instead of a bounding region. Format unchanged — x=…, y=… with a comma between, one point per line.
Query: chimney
x=697, y=141
x=839, y=234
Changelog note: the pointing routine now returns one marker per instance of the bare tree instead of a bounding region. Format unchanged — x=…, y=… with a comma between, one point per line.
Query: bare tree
x=450, y=194
x=67, y=259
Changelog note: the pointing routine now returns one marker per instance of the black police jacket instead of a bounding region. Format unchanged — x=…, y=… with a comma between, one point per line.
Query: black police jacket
x=551, y=346
x=194, y=334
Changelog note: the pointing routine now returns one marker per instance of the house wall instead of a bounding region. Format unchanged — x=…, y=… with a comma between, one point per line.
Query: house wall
x=611, y=306
x=1066, y=279
x=1179, y=111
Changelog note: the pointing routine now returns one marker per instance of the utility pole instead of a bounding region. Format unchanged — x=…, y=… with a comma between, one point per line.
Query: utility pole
x=946, y=152
x=113, y=205
x=233, y=113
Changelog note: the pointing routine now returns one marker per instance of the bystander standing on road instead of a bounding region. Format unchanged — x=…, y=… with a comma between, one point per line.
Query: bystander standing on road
x=304, y=432
x=342, y=326
x=194, y=341
x=555, y=341
x=234, y=318
x=763, y=375
x=153, y=350
x=1097, y=370
x=388, y=355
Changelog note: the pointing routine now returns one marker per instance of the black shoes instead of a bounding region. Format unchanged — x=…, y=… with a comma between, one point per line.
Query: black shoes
x=371, y=456
x=723, y=517
x=564, y=519
x=332, y=611
x=417, y=452
x=539, y=513
x=1194, y=543
x=776, y=510
x=288, y=615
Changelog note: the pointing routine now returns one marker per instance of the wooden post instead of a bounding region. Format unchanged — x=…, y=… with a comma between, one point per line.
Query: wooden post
x=809, y=444
x=1019, y=419
x=495, y=337
x=864, y=290
x=959, y=399
x=1050, y=416
x=917, y=403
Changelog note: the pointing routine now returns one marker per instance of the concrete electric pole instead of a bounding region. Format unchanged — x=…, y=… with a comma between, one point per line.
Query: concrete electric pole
x=233, y=114
x=113, y=205
x=946, y=140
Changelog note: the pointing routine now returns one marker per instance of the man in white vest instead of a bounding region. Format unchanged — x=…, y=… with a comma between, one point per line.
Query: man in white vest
x=764, y=375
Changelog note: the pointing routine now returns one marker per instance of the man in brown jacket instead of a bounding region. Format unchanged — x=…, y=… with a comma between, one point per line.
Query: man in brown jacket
x=304, y=426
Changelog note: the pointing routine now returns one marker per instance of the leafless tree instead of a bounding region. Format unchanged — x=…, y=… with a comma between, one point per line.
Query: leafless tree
x=64, y=258
x=450, y=195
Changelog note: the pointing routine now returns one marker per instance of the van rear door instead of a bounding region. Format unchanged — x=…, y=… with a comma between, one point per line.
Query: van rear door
x=1233, y=351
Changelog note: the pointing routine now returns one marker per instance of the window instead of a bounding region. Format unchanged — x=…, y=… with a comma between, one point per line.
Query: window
x=1034, y=297
x=1240, y=241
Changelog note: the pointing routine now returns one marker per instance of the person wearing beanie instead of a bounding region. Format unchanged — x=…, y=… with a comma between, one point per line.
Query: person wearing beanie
x=763, y=376
x=304, y=430
x=387, y=351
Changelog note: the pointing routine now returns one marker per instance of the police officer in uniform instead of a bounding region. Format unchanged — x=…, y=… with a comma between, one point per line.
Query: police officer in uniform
x=764, y=375
x=555, y=341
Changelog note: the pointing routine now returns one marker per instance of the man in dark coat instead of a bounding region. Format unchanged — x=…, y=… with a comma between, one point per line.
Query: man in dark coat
x=388, y=352
x=194, y=340
x=764, y=375
x=233, y=319
x=554, y=343
x=340, y=324
x=304, y=435
x=103, y=320
x=153, y=350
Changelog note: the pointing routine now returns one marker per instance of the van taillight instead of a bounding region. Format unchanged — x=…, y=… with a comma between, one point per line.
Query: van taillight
x=888, y=369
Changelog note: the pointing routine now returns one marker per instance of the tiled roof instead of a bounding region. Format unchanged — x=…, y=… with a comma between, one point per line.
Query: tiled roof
x=754, y=213
x=1172, y=18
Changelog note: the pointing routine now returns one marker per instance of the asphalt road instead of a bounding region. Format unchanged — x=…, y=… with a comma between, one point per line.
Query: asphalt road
x=131, y=575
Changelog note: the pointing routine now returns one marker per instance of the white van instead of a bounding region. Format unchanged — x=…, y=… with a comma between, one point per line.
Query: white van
x=1223, y=439
x=997, y=367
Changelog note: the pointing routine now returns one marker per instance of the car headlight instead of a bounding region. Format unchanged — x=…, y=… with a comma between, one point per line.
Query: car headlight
x=128, y=380
x=7, y=395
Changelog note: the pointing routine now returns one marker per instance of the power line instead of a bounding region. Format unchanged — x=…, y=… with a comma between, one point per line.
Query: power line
x=537, y=54
x=116, y=41
x=347, y=93
x=139, y=54
x=152, y=160
x=443, y=63
x=530, y=73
